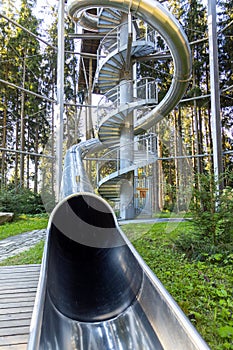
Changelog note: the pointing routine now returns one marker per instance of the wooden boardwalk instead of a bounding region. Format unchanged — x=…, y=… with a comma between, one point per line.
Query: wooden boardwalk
x=18, y=286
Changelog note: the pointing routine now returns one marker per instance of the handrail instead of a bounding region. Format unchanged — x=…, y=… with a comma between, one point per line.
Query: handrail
x=116, y=30
x=116, y=46
x=143, y=143
x=145, y=88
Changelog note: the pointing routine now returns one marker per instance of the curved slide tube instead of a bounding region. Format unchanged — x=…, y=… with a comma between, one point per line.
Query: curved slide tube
x=161, y=20
x=95, y=291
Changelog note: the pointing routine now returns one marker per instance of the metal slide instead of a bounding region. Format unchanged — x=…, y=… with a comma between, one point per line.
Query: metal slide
x=95, y=292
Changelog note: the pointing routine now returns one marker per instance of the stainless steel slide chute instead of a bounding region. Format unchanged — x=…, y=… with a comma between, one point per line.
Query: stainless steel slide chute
x=96, y=292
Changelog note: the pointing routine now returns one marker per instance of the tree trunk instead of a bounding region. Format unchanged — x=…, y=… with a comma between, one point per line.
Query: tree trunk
x=16, y=155
x=22, y=129
x=4, y=164
x=28, y=157
x=177, y=168
x=160, y=173
x=36, y=158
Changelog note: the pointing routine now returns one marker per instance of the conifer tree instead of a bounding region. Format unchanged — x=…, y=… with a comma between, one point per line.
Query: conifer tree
x=225, y=40
x=8, y=98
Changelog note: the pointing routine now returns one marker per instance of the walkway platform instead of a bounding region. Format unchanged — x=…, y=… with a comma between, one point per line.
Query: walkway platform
x=18, y=285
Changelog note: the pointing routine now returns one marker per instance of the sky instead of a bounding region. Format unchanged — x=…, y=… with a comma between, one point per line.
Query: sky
x=42, y=9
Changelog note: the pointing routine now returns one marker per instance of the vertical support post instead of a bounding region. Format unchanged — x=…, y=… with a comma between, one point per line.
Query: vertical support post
x=90, y=125
x=97, y=173
x=147, y=88
x=126, y=136
x=60, y=98
x=118, y=160
x=215, y=95
x=156, y=92
x=22, y=129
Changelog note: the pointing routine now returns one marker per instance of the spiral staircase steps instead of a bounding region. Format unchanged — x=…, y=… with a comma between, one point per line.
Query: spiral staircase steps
x=112, y=67
x=108, y=19
x=110, y=186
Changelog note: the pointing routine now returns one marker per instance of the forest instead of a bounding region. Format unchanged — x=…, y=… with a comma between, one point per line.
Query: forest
x=28, y=83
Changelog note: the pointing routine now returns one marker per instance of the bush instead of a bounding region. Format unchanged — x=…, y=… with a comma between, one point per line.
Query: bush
x=213, y=222
x=23, y=202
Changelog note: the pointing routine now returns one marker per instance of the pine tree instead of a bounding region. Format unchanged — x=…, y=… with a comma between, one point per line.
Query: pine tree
x=8, y=107
x=27, y=124
x=225, y=40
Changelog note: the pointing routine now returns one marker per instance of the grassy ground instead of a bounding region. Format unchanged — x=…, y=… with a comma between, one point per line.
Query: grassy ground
x=202, y=289
x=31, y=256
x=168, y=214
x=23, y=223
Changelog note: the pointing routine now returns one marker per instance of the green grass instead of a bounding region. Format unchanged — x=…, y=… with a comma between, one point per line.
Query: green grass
x=23, y=223
x=135, y=231
x=202, y=289
x=31, y=256
x=168, y=214
x=165, y=231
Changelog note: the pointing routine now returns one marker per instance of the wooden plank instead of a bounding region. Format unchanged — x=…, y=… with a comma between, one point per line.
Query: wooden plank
x=20, y=267
x=16, y=310
x=19, y=293
x=19, y=289
x=4, y=332
x=14, y=340
x=18, y=285
x=16, y=304
x=15, y=323
x=18, y=276
x=14, y=278
x=10, y=296
x=6, y=298
x=19, y=282
x=17, y=273
x=16, y=270
x=14, y=347
x=24, y=285
x=17, y=316
x=16, y=281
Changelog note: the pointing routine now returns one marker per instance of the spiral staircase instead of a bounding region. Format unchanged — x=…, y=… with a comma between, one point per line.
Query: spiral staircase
x=112, y=119
x=123, y=44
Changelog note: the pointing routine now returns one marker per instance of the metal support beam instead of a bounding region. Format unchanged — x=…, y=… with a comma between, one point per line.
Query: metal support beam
x=151, y=57
x=126, y=134
x=60, y=98
x=215, y=93
x=94, y=36
x=22, y=129
x=89, y=123
x=129, y=43
x=32, y=154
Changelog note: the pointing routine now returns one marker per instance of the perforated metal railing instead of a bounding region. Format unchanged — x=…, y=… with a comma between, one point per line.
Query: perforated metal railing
x=145, y=92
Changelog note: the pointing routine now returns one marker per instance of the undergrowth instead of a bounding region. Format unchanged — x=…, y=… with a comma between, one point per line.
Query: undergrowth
x=203, y=289
x=23, y=201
